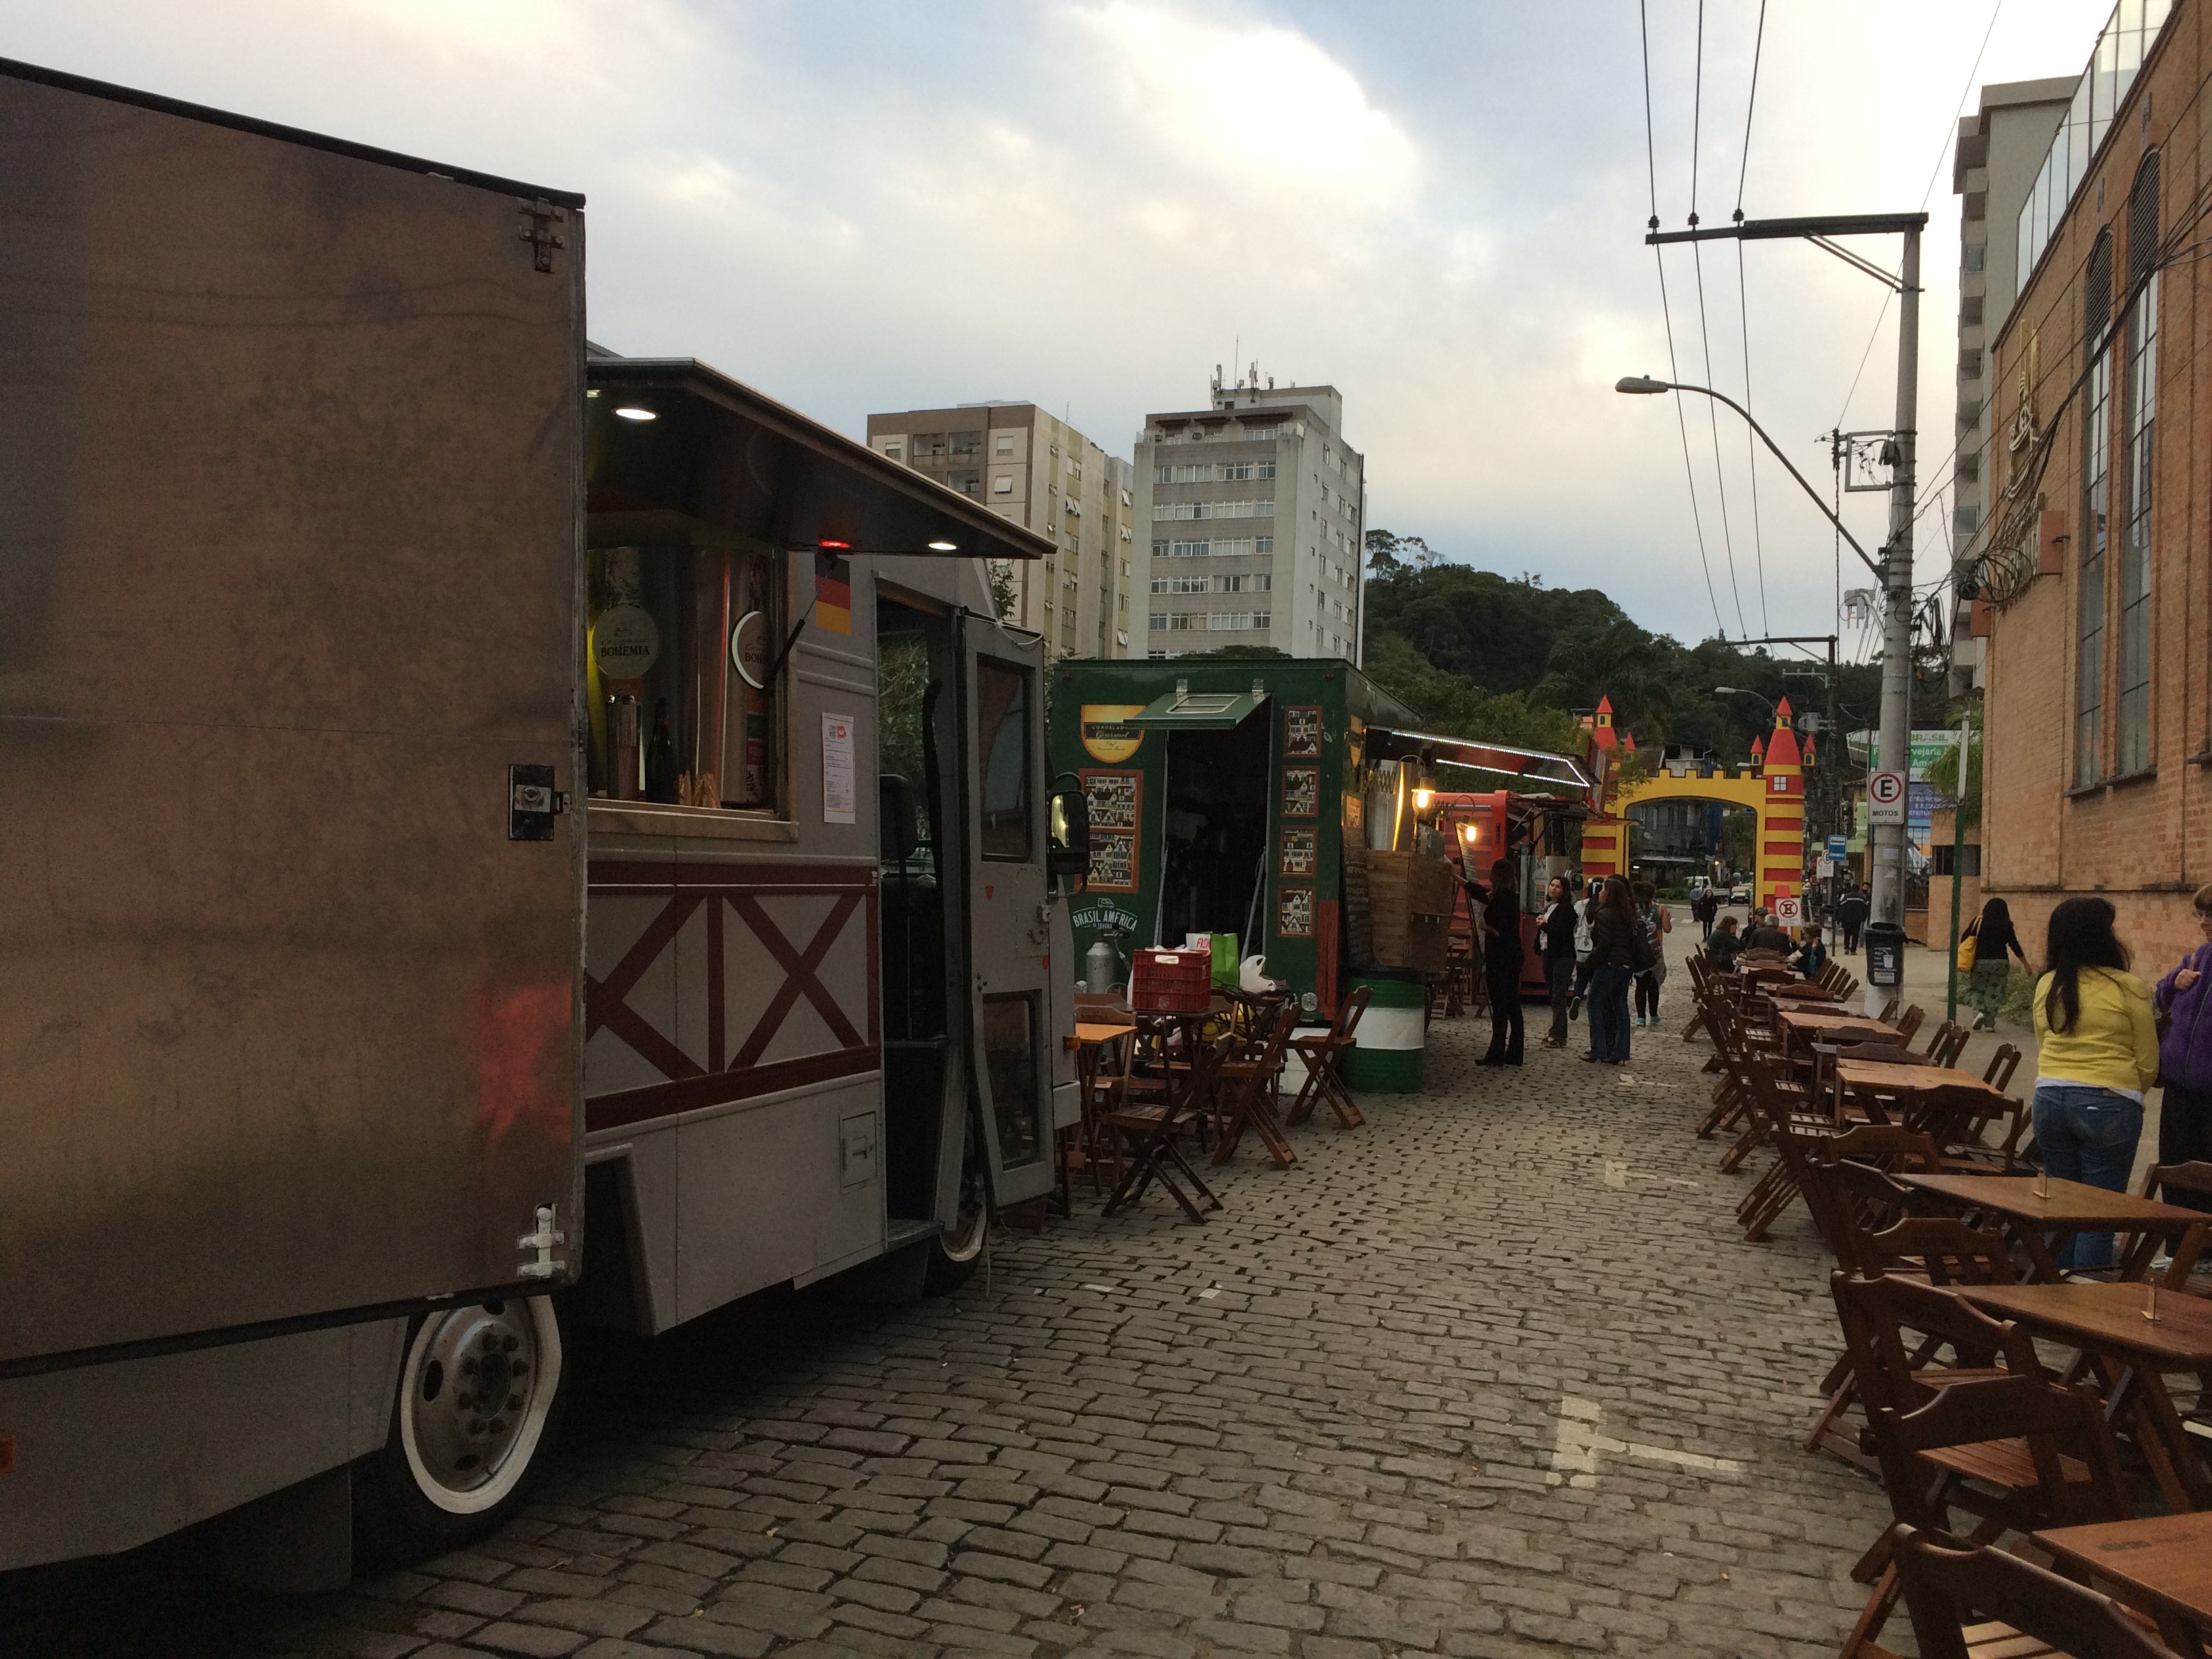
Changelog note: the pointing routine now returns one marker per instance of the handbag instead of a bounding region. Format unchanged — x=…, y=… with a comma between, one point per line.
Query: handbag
x=1967, y=945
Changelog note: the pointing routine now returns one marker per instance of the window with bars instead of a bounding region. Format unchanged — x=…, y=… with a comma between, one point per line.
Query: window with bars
x=2096, y=416
x=2138, y=417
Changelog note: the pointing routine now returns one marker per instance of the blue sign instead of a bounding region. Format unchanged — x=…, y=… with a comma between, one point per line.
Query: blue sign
x=1838, y=847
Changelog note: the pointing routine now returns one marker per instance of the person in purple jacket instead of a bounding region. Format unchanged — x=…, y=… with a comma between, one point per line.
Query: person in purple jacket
x=2183, y=1002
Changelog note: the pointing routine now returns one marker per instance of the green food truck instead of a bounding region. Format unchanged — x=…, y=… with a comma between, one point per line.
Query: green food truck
x=1219, y=789
x=1224, y=791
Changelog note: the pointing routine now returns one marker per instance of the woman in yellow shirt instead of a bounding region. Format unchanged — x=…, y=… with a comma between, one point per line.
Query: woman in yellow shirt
x=2096, y=1052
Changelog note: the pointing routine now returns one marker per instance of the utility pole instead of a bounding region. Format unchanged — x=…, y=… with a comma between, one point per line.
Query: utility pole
x=1886, y=841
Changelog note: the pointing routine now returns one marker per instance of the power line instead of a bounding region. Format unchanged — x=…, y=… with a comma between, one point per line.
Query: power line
x=1713, y=419
x=1667, y=312
x=1751, y=449
x=1704, y=327
x=1950, y=136
x=1758, y=45
x=1743, y=313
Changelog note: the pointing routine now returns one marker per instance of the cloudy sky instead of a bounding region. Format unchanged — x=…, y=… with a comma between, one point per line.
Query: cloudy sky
x=1437, y=207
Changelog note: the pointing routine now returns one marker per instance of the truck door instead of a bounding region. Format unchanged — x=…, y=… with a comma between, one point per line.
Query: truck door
x=1009, y=903
x=290, y=504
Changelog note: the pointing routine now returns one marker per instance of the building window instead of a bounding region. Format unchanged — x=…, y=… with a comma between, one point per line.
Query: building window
x=1158, y=623
x=2089, y=625
x=1213, y=509
x=967, y=443
x=1182, y=621
x=2138, y=417
x=928, y=443
x=891, y=451
x=1262, y=619
x=1972, y=262
x=1003, y=484
x=1230, y=622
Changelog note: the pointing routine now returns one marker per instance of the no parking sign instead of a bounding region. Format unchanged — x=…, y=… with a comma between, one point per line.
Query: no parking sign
x=1789, y=910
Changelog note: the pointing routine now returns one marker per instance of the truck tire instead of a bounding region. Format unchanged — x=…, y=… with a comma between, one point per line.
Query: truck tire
x=478, y=1403
x=954, y=1253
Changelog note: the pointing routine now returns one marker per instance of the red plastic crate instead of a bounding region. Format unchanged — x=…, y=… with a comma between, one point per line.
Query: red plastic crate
x=1172, y=981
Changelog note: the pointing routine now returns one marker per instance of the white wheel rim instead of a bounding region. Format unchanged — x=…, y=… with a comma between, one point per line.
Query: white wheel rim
x=963, y=1240
x=473, y=1398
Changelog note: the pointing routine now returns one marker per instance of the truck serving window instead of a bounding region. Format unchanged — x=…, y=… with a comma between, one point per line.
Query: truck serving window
x=674, y=632
x=1003, y=711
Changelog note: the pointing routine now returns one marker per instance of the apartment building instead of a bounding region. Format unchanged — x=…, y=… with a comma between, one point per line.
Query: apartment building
x=2097, y=776
x=1032, y=467
x=1254, y=511
x=1994, y=169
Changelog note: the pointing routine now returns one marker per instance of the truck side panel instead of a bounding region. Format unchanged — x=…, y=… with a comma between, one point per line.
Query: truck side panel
x=289, y=504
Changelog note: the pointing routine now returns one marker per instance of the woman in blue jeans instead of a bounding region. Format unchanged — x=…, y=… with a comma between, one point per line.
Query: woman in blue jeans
x=2096, y=1053
x=1616, y=934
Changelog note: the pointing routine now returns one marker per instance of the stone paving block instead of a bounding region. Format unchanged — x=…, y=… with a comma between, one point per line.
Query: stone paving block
x=531, y=1641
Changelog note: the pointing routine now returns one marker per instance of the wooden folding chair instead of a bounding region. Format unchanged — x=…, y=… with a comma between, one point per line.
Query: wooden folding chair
x=1944, y=1585
x=1149, y=1134
x=1909, y=1021
x=2016, y=1450
x=1945, y=1044
x=1324, y=1056
x=1252, y=1082
x=1940, y=1248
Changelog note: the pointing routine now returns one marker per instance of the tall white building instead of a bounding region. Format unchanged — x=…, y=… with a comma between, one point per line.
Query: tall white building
x=1028, y=466
x=1994, y=170
x=1254, y=511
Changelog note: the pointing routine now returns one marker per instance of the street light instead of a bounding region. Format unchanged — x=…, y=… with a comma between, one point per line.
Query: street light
x=1744, y=691
x=1644, y=386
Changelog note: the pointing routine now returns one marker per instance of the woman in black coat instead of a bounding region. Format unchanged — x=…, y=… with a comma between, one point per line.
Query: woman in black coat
x=1501, y=965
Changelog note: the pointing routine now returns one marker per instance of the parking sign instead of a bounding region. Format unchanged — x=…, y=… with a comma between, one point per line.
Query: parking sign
x=1886, y=794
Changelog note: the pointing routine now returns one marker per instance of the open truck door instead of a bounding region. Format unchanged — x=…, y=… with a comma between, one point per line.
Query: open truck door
x=290, y=508
x=1010, y=906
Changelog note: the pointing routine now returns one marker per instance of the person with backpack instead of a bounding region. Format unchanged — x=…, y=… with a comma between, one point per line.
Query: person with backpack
x=2182, y=1006
x=2097, y=1052
x=1657, y=924
x=1985, y=950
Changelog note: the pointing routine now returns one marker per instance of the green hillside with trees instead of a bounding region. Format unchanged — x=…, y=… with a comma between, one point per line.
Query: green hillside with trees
x=1478, y=655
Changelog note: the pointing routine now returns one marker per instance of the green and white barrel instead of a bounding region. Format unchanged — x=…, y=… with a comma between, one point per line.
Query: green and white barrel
x=1386, y=1049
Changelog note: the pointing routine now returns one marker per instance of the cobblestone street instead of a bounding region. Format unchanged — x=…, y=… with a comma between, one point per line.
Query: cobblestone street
x=1494, y=1374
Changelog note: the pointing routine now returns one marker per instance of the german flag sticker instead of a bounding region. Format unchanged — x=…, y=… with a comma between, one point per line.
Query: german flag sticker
x=832, y=592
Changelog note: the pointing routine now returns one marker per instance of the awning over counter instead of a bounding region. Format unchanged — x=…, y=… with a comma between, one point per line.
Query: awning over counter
x=703, y=453
x=1531, y=765
x=1185, y=710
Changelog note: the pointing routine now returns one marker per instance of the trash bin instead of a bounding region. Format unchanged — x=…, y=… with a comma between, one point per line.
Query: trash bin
x=1387, y=1051
x=1884, y=947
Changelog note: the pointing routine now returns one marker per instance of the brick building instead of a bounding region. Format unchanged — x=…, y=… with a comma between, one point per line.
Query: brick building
x=2093, y=560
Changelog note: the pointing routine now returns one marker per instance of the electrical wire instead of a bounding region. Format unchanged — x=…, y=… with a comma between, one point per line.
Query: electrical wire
x=1743, y=314
x=1667, y=312
x=1950, y=137
x=1704, y=327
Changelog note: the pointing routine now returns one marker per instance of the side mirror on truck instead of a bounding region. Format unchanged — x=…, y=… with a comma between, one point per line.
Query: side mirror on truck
x=1068, y=854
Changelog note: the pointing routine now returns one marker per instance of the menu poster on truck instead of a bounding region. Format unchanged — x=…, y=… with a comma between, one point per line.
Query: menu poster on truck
x=840, y=797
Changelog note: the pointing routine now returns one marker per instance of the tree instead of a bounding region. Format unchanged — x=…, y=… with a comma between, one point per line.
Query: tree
x=1943, y=772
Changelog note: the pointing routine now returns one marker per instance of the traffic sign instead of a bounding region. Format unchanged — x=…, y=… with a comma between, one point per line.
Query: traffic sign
x=1823, y=868
x=1788, y=910
x=1886, y=795
x=1839, y=848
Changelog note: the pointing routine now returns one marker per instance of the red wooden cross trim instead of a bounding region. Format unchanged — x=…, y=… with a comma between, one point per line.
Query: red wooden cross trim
x=799, y=970
x=603, y=1000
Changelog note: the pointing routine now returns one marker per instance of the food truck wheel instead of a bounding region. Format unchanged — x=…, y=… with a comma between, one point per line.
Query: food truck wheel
x=478, y=1398
x=954, y=1253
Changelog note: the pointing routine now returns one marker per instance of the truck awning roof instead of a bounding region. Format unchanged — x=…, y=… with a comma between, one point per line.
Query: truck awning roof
x=1534, y=765
x=1186, y=710
x=718, y=453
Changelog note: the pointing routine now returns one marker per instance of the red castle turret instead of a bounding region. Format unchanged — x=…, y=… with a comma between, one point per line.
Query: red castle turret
x=1782, y=857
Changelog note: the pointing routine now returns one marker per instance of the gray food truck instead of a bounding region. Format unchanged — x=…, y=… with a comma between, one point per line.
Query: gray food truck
x=497, y=835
